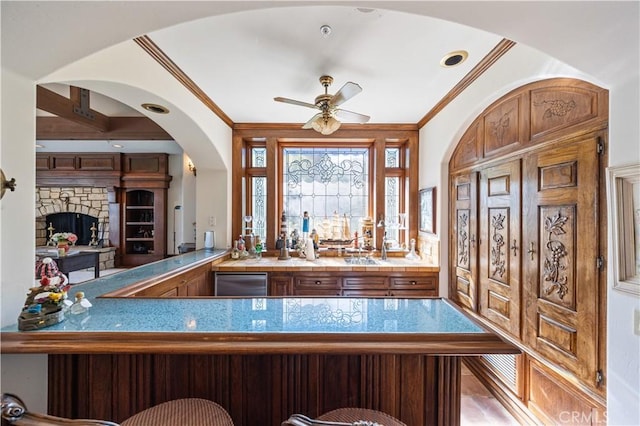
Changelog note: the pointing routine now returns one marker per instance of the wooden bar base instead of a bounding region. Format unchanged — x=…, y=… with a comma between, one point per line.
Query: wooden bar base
x=258, y=390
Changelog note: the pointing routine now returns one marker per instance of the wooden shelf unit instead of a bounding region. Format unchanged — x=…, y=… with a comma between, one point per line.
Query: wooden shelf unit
x=143, y=208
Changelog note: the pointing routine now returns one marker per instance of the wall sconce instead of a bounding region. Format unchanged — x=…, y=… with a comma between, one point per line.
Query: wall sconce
x=6, y=184
x=191, y=167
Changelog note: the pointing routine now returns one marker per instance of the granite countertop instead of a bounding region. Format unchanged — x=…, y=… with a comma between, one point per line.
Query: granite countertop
x=333, y=263
x=252, y=325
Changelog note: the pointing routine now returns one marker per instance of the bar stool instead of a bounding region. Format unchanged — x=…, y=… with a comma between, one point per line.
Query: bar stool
x=351, y=415
x=345, y=417
x=185, y=411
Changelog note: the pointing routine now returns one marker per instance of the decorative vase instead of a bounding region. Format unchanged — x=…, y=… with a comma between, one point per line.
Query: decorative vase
x=63, y=247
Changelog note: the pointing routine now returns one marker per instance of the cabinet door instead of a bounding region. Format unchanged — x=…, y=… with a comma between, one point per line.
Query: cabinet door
x=464, y=267
x=561, y=236
x=500, y=246
x=279, y=285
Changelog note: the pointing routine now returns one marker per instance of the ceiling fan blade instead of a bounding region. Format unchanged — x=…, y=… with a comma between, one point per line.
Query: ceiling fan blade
x=346, y=92
x=309, y=124
x=294, y=102
x=351, y=116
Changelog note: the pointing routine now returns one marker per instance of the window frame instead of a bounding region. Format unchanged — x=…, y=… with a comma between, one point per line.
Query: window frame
x=275, y=137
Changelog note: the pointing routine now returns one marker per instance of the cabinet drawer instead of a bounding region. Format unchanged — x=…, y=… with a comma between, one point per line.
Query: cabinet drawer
x=365, y=293
x=317, y=281
x=414, y=293
x=425, y=282
x=364, y=282
x=318, y=292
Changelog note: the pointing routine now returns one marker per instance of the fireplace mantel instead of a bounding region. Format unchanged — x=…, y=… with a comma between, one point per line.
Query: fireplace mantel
x=110, y=176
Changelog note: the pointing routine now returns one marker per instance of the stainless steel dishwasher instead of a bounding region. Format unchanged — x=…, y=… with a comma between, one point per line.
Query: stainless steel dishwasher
x=246, y=284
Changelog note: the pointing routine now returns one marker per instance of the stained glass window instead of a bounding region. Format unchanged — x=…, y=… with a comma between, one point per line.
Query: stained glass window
x=331, y=184
x=392, y=157
x=259, y=205
x=392, y=207
x=258, y=157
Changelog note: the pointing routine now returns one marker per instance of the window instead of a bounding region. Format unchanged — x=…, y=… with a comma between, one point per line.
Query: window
x=331, y=184
x=395, y=196
x=339, y=181
x=256, y=193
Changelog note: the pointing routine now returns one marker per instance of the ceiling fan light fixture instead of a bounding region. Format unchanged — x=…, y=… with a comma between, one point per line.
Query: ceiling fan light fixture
x=324, y=121
x=325, y=125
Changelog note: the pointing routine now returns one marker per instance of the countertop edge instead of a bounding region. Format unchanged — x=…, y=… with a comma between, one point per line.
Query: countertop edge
x=455, y=344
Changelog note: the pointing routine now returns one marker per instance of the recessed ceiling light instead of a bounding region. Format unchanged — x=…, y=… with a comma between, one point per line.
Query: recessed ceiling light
x=158, y=109
x=325, y=30
x=454, y=58
x=39, y=146
x=116, y=145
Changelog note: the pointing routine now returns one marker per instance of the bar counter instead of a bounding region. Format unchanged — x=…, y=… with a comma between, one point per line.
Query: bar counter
x=396, y=355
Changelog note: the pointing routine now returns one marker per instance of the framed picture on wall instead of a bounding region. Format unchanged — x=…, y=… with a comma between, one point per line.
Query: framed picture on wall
x=427, y=213
x=624, y=211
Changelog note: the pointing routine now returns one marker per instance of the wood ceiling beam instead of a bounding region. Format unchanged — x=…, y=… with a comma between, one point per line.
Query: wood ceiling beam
x=75, y=109
x=121, y=128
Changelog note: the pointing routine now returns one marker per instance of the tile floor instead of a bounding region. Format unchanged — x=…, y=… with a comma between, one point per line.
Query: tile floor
x=478, y=406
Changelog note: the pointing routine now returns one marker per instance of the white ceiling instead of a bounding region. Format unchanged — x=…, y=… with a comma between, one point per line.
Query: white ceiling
x=242, y=61
x=243, y=54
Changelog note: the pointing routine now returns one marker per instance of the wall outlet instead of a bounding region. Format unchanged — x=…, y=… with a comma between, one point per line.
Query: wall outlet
x=212, y=221
x=636, y=322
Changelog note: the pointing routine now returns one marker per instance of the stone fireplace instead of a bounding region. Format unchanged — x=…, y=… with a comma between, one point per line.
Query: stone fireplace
x=84, y=206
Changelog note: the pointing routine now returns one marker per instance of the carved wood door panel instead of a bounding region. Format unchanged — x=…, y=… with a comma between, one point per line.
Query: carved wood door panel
x=500, y=242
x=464, y=193
x=560, y=270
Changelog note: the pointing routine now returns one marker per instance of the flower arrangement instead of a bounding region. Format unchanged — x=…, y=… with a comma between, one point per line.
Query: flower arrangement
x=60, y=237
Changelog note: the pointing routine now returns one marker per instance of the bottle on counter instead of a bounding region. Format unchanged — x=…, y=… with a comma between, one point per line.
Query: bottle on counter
x=309, y=251
x=235, y=252
x=81, y=304
x=242, y=247
x=258, y=247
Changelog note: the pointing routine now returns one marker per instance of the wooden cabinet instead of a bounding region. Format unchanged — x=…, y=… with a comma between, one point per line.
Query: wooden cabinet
x=144, y=210
x=464, y=220
x=527, y=239
x=413, y=285
x=499, y=245
x=192, y=283
x=355, y=284
x=367, y=286
x=280, y=285
x=144, y=226
x=561, y=264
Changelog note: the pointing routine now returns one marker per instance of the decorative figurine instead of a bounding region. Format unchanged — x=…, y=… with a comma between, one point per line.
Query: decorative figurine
x=305, y=224
x=81, y=304
x=412, y=254
x=45, y=304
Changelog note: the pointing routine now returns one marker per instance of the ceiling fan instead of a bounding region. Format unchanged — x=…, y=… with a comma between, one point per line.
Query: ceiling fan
x=326, y=121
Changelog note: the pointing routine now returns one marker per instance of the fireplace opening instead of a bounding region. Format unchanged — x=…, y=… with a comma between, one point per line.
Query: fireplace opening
x=78, y=223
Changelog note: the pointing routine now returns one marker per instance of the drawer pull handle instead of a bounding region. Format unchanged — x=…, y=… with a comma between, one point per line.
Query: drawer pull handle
x=318, y=282
x=413, y=283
